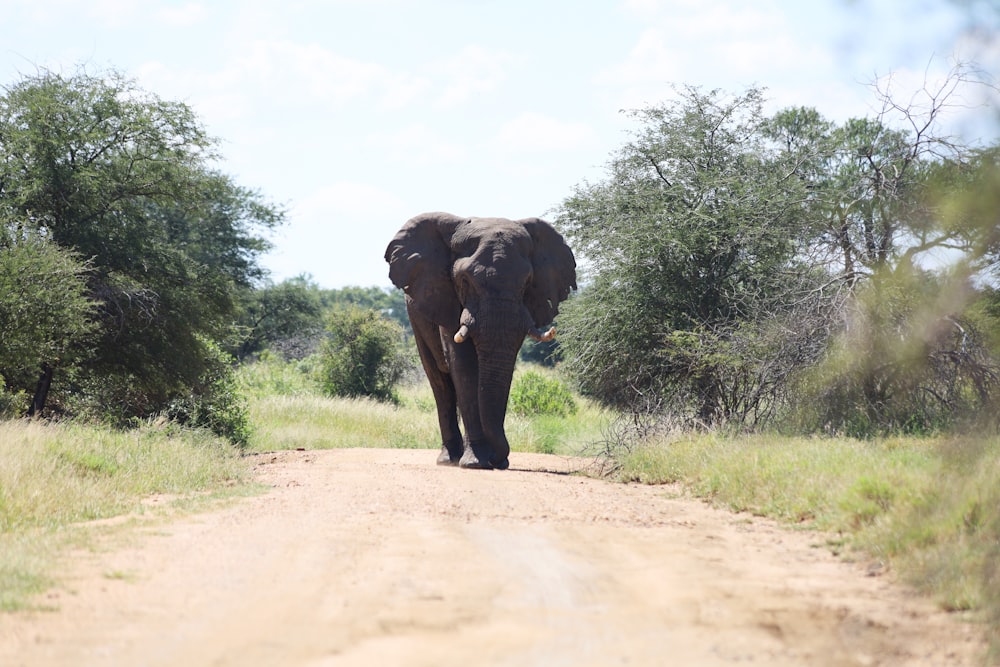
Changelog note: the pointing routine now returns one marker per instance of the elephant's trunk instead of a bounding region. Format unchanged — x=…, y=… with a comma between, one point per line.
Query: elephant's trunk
x=498, y=333
x=496, y=370
x=468, y=321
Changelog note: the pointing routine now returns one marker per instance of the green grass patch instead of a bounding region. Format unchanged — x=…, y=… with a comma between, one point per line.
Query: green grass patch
x=837, y=485
x=318, y=422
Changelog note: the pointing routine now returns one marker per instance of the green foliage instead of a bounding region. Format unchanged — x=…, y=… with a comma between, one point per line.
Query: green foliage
x=908, y=363
x=541, y=353
x=361, y=355
x=534, y=393
x=215, y=402
x=390, y=302
x=45, y=314
x=730, y=253
x=693, y=241
x=11, y=403
x=272, y=374
x=286, y=317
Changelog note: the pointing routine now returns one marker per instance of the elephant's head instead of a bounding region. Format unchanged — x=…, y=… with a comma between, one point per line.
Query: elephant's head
x=489, y=280
x=457, y=270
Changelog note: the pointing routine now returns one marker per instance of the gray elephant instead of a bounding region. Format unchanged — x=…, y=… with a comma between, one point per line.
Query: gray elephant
x=475, y=287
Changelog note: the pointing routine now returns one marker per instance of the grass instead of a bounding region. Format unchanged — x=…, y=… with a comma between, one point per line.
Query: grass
x=53, y=477
x=835, y=485
x=289, y=412
x=317, y=422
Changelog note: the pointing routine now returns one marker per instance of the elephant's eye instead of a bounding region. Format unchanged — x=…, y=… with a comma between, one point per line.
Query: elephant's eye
x=462, y=286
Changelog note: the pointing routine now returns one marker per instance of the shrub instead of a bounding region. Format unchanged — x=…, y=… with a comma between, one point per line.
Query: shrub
x=215, y=403
x=535, y=394
x=361, y=355
x=908, y=362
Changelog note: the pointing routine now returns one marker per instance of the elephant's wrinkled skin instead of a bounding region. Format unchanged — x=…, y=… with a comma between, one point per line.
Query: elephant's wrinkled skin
x=475, y=287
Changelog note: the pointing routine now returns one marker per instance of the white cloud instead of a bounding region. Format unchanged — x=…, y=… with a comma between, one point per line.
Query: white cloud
x=704, y=45
x=730, y=46
x=651, y=59
x=115, y=13
x=533, y=131
x=308, y=69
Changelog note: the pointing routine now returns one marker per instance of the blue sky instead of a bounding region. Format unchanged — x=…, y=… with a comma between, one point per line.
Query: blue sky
x=358, y=114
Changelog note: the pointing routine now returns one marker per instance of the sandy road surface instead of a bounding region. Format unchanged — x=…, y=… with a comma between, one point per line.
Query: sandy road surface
x=375, y=557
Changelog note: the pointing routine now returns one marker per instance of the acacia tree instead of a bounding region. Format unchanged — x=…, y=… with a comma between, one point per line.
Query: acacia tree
x=867, y=178
x=691, y=243
x=121, y=178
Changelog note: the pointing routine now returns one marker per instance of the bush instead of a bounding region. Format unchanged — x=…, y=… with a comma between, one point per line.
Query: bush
x=216, y=404
x=362, y=355
x=11, y=403
x=535, y=394
x=908, y=362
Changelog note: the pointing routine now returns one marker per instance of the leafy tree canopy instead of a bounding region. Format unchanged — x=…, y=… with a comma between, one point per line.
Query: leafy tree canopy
x=123, y=180
x=695, y=230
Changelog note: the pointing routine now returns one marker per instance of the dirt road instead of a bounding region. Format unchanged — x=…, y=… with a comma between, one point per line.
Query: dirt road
x=376, y=557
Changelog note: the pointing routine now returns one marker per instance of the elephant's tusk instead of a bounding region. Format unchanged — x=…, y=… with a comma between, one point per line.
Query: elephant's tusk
x=462, y=334
x=536, y=334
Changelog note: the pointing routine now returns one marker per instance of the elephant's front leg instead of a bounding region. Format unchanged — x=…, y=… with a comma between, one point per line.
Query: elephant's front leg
x=432, y=358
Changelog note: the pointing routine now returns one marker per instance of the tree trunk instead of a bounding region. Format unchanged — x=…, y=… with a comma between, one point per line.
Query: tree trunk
x=41, y=391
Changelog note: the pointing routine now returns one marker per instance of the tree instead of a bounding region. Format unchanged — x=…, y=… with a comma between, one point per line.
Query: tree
x=120, y=177
x=287, y=315
x=361, y=355
x=45, y=315
x=886, y=192
x=868, y=179
x=692, y=245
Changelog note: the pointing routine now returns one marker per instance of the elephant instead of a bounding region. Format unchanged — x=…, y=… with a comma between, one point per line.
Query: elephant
x=474, y=288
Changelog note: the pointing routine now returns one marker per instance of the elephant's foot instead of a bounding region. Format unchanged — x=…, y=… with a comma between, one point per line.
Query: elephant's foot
x=446, y=458
x=482, y=461
x=471, y=461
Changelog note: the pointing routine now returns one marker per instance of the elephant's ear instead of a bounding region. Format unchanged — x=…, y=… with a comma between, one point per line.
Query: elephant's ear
x=419, y=258
x=554, y=271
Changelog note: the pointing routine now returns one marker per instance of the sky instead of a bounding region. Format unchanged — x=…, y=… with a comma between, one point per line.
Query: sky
x=355, y=115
